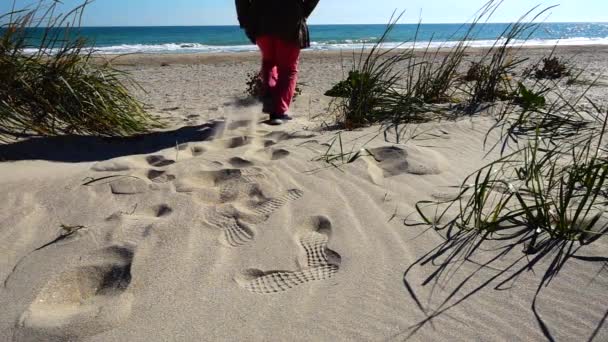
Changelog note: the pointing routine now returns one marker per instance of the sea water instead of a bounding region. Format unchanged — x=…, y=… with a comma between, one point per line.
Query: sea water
x=200, y=39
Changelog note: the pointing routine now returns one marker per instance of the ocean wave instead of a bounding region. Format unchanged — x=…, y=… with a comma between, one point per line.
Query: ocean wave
x=581, y=41
x=166, y=48
x=330, y=46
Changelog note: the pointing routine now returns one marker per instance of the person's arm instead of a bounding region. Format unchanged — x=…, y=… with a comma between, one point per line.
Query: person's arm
x=309, y=6
x=242, y=12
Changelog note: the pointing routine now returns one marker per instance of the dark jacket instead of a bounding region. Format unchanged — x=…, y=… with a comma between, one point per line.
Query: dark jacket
x=285, y=19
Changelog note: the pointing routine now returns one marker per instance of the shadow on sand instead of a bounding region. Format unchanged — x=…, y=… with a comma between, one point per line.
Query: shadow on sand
x=460, y=247
x=75, y=149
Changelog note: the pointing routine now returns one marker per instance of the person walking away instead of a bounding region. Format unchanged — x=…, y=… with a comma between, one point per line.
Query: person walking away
x=279, y=29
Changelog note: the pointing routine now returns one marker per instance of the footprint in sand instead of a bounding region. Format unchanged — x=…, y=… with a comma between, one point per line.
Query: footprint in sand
x=317, y=262
x=268, y=143
x=229, y=181
x=238, y=142
x=275, y=153
x=113, y=166
x=89, y=299
x=282, y=136
x=136, y=225
x=239, y=162
x=159, y=161
x=197, y=151
x=237, y=224
x=155, y=212
x=161, y=210
x=158, y=176
x=129, y=185
x=247, y=187
x=234, y=125
x=391, y=161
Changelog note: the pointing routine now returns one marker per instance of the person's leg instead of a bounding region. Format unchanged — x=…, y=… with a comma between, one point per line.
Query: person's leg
x=287, y=57
x=270, y=94
x=269, y=70
x=273, y=78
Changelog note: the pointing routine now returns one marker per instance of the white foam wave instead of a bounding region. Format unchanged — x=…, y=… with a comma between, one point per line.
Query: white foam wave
x=328, y=46
x=582, y=41
x=167, y=48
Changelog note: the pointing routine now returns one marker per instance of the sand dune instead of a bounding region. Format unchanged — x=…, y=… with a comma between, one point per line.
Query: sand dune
x=229, y=230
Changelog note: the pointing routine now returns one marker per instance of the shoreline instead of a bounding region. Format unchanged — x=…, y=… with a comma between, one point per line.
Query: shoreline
x=215, y=57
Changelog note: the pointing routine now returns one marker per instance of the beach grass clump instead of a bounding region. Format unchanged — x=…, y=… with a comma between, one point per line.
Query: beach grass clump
x=551, y=187
x=560, y=114
x=396, y=86
x=565, y=202
x=433, y=77
x=492, y=80
x=544, y=201
x=54, y=86
x=532, y=195
x=371, y=92
x=399, y=87
x=361, y=99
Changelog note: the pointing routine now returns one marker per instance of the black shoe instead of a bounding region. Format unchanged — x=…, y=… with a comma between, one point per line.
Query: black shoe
x=278, y=119
x=275, y=121
x=284, y=117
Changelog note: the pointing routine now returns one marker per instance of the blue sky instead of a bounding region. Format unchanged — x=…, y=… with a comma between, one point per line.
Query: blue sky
x=221, y=12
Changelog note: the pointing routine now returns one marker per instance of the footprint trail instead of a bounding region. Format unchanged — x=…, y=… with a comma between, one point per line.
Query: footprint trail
x=318, y=262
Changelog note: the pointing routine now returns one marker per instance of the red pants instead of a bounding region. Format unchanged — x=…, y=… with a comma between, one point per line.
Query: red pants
x=279, y=70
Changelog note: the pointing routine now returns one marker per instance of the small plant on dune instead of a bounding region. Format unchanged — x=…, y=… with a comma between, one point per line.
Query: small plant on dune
x=477, y=72
x=345, y=88
x=528, y=99
x=255, y=85
x=552, y=68
x=256, y=90
x=58, y=89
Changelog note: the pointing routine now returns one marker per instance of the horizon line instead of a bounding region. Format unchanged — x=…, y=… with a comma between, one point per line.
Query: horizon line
x=343, y=24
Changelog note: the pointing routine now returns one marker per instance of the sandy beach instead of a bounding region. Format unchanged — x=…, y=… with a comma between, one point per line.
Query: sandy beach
x=222, y=228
